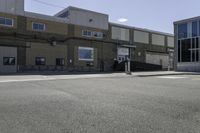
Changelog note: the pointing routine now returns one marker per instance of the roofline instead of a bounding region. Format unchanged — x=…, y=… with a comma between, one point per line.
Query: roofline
x=76, y=8
x=186, y=20
x=141, y=29
x=45, y=17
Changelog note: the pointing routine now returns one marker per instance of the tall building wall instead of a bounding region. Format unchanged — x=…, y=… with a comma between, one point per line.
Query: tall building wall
x=12, y=6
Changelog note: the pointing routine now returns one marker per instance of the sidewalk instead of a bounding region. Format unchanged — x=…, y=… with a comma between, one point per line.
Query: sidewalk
x=162, y=73
x=67, y=76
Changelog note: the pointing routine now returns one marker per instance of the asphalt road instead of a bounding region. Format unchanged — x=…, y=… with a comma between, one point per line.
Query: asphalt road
x=102, y=105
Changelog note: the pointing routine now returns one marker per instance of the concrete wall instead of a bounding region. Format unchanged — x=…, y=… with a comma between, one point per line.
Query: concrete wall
x=104, y=54
x=50, y=26
x=12, y=6
x=157, y=59
x=47, y=51
x=189, y=67
x=8, y=52
x=88, y=18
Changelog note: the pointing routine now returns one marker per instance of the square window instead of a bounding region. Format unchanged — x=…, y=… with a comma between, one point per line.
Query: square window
x=9, y=60
x=40, y=61
x=38, y=26
x=86, y=53
x=60, y=62
x=2, y=21
x=9, y=22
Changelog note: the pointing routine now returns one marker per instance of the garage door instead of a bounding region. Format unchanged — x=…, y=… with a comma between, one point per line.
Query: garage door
x=8, y=59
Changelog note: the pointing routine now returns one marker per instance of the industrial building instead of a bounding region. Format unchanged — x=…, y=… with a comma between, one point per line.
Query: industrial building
x=187, y=45
x=74, y=40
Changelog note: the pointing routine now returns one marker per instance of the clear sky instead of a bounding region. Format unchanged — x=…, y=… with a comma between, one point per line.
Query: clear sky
x=151, y=14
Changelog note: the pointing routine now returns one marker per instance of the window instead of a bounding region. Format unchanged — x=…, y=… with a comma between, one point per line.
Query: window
x=194, y=29
x=38, y=26
x=185, y=50
x=182, y=30
x=94, y=34
x=179, y=51
x=9, y=60
x=86, y=53
x=40, y=61
x=98, y=34
x=60, y=62
x=6, y=21
x=86, y=33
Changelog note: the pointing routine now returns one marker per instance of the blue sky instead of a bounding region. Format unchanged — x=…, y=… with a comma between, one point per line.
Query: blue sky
x=151, y=14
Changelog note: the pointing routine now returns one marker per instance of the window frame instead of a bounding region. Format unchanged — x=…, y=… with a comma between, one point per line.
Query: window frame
x=87, y=33
x=9, y=64
x=100, y=37
x=38, y=23
x=86, y=48
x=40, y=64
x=5, y=22
x=60, y=64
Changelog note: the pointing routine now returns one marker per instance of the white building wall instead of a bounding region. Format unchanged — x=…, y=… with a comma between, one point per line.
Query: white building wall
x=12, y=6
x=88, y=18
x=141, y=37
x=158, y=39
x=8, y=52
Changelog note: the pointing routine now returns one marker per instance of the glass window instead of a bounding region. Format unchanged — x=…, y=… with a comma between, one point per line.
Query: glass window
x=86, y=33
x=6, y=21
x=9, y=60
x=182, y=30
x=179, y=51
x=186, y=50
x=2, y=21
x=98, y=34
x=40, y=61
x=86, y=53
x=38, y=26
x=194, y=29
x=197, y=49
x=60, y=62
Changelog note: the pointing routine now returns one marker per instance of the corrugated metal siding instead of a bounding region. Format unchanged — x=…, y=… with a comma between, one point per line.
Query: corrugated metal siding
x=170, y=41
x=141, y=37
x=120, y=33
x=158, y=39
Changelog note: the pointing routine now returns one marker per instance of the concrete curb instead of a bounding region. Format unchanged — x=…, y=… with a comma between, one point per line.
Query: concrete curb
x=154, y=75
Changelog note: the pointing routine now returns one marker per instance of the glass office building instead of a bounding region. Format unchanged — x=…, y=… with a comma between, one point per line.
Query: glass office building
x=187, y=45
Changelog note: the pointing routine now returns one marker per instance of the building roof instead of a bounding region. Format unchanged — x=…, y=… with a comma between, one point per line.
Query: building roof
x=186, y=20
x=141, y=29
x=45, y=17
x=79, y=9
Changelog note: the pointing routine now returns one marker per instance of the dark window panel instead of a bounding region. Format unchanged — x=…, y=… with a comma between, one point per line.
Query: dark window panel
x=182, y=30
x=186, y=50
x=194, y=29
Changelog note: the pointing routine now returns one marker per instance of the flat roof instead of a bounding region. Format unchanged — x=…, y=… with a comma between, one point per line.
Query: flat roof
x=45, y=17
x=187, y=20
x=79, y=9
x=141, y=29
